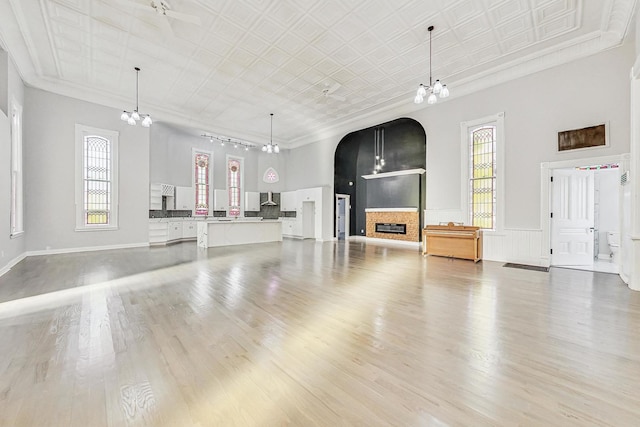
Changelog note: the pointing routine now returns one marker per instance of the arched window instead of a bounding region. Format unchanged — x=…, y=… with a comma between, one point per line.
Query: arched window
x=234, y=185
x=201, y=182
x=97, y=179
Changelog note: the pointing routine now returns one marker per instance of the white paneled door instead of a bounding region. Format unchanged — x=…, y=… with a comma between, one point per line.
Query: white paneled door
x=572, y=221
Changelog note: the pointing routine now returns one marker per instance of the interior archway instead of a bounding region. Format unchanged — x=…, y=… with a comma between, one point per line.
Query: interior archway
x=405, y=147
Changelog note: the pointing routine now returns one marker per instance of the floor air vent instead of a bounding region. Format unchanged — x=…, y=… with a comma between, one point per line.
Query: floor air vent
x=526, y=267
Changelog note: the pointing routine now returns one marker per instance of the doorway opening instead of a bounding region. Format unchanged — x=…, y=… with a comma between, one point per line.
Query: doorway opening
x=585, y=217
x=343, y=213
x=308, y=220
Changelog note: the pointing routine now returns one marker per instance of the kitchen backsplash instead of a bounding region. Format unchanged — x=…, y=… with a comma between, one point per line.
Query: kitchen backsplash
x=169, y=214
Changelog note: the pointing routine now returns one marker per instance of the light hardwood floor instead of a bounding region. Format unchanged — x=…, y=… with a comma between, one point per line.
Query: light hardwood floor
x=312, y=334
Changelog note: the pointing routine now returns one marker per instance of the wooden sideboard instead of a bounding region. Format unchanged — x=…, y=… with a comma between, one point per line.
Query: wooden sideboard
x=455, y=241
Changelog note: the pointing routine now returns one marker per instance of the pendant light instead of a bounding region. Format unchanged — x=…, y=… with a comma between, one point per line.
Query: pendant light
x=271, y=147
x=433, y=89
x=133, y=117
x=378, y=150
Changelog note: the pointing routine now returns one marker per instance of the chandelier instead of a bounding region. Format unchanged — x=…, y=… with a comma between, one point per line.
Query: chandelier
x=378, y=149
x=271, y=147
x=433, y=89
x=133, y=116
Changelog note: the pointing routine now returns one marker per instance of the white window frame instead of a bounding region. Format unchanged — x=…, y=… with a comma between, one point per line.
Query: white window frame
x=496, y=120
x=17, y=172
x=112, y=136
x=195, y=151
x=226, y=179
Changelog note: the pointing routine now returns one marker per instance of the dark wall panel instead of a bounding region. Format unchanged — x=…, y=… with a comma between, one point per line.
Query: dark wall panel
x=393, y=192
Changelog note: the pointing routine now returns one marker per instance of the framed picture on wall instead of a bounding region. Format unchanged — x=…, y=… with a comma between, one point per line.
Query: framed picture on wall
x=589, y=137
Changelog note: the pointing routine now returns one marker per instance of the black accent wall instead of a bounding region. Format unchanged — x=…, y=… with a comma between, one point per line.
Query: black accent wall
x=405, y=148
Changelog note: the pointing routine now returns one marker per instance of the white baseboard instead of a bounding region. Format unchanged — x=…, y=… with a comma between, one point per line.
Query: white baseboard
x=86, y=249
x=11, y=263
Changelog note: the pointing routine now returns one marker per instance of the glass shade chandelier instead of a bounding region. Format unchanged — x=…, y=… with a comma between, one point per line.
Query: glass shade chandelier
x=434, y=89
x=133, y=116
x=378, y=150
x=271, y=147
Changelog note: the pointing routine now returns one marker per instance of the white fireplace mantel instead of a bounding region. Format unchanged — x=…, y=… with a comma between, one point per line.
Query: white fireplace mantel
x=394, y=173
x=391, y=210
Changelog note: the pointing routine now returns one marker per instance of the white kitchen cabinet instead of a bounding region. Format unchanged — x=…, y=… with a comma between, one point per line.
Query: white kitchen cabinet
x=252, y=201
x=189, y=230
x=220, y=200
x=292, y=227
x=288, y=201
x=157, y=231
x=155, y=197
x=168, y=190
x=174, y=230
x=185, y=199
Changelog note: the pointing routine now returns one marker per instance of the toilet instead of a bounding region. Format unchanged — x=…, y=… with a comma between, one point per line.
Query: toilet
x=613, y=239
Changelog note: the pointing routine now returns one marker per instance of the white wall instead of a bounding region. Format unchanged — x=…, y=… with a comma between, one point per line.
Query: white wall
x=171, y=152
x=49, y=132
x=11, y=250
x=586, y=92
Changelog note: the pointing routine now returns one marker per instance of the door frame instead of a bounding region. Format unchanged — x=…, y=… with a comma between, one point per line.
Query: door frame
x=347, y=213
x=546, y=171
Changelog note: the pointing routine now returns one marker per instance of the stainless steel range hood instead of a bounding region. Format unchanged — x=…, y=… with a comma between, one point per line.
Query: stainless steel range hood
x=269, y=201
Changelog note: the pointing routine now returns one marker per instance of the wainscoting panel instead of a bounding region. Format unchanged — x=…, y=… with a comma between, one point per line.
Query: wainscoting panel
x=512, y=245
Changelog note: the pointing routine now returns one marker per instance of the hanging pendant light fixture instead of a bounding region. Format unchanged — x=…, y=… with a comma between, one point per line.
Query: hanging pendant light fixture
x=132, y=117
x=433, y=89
x=271, y=147
x=378, y=150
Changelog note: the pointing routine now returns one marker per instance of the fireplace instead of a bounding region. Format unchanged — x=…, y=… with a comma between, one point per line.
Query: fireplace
x=402, y=223
x=390, y=228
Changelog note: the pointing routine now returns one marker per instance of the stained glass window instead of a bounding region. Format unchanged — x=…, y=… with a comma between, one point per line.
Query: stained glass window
x=201, y=182
x=97, y=180
x=234, y=185
x=482, y=173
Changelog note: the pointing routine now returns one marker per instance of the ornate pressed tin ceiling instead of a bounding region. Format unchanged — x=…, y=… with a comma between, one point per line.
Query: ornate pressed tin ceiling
x=252, y=57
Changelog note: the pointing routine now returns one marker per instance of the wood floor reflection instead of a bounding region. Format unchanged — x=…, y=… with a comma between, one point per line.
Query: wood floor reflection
x=312, y=334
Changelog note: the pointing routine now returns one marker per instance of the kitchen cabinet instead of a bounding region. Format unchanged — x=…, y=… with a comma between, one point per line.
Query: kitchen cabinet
x=168, y=190
x=157, y=232
x=171, y=230
x=185, y=199
x=189, y=230
x=292, y=227
x=174, y=230
x=288, y=201
x=155, y=197
x=252, y=201
x=220, y=200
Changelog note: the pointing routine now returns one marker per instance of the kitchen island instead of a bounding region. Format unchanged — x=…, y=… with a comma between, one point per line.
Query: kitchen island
x=242, y=231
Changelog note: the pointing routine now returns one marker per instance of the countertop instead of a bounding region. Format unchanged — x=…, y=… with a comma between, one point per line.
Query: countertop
x=214, y=219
